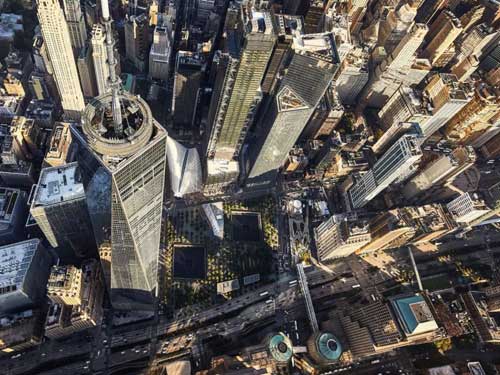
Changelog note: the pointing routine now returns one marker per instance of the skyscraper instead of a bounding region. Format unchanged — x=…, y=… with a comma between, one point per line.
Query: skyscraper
x=405, y=105
x=187, y=80
x=447, y=97
x=76, y=24
x=400, y=67
x=60, y=209
x=353, y=76
x=123, y=158
x=98, y=45
x=137, y=40
x=298, y=95
x=86, y=72
x=445, y=168
x=395, y=25
x=340, y=236
x=248, y=45
x=478, y=121
x=159, y=55
x=396, y=164
x=442, y=33
x=58, y=42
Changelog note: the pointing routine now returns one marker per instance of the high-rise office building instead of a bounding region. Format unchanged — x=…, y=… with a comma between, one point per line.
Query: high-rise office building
x=314, y=17
x=441, y=99
x=479, y=120
x=76, y=24
x=472, y=17
x=403, y=55
x=203, y=10
x=248, y=45
x=286, y=27
x=159, y=55
x=60, y=151
x=340, y=236
x=353, y=76
x=25, y=269
x=86, y=72
x=402, y=226
x=400, y=67
x=467, y=208
x=59, y=207
x=40, y=55
x=137, y=40
x=444, y=169
x=395, y=24
x=465, y=67
x=125, y=184
x=187, y=81
x=301, y=90
x=58, y=43
x=442, y=33
x=98, y=48
x=122, y=152
x=76, y=297
x=389, y=230
x=325, y=118
x=392, y=134
x=447, y=96
x=405, y=105
x=429, y=9
x=395, y=165
x=477, y=41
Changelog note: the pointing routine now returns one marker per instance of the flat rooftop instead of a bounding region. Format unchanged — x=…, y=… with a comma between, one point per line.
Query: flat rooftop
x=58, y=184
x=8, y=199
x=14, y=262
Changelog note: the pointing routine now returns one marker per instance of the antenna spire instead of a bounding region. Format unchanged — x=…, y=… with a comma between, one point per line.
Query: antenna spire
x=114, y=80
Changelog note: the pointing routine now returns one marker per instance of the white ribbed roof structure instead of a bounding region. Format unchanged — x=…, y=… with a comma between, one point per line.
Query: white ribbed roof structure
x=185, y=168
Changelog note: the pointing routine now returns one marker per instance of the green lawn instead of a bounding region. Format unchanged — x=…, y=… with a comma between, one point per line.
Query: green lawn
x=436, y=282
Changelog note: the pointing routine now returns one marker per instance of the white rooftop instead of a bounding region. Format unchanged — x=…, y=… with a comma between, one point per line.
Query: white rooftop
x=58, y=184
x=14, y=263
x=184, y=167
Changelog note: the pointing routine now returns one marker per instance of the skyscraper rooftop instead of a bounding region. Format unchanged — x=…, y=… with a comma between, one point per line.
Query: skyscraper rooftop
x=59, y=184
x=102, y=136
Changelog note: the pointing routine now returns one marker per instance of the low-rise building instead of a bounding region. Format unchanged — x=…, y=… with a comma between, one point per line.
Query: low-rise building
x=59, y=153
x=24, y=271
x=414, y=316
x=76, y=298
x=19, y=331
x=467, y=208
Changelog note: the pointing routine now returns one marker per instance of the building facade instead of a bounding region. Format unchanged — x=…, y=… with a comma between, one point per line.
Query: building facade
x=159, y=55
x=76, y=24
x=299, y=94
x=340, y=236
x=59, y=207
x=396, y=164
x=25, y=270
x=124, y=183
x=57, y=40
x=236, y=95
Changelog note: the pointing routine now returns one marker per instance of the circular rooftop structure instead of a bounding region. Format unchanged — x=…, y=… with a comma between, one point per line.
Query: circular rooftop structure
x=328, y=346
x=280, y=347
x=99, y=129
